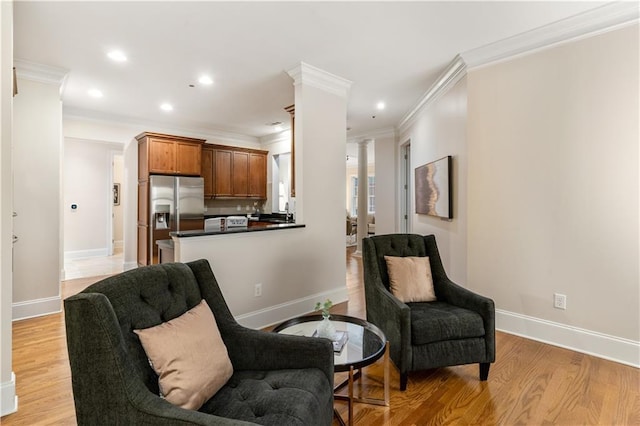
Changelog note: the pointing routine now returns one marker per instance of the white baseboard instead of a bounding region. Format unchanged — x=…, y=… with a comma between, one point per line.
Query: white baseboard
x=284, y=311
x=8, y=398
x=80, y=254
x=36, y=308
x=613, y=348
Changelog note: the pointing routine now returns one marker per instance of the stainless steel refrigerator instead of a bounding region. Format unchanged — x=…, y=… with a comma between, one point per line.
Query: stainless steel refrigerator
x=176, y=203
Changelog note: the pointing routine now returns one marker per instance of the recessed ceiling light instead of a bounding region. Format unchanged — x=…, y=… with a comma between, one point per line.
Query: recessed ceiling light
x=166, y=107
x=95, y=93
x=380, y=105
x=117, y=55
x=205, y=79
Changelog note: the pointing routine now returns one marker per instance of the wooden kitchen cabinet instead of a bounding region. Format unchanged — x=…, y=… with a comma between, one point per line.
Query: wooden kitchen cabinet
x=240, y=174
x=222, y=173
x=188, y=158
x=171, y=155
x=207, y=170
x=235, y=172
x=258, y=175
x=161, y=155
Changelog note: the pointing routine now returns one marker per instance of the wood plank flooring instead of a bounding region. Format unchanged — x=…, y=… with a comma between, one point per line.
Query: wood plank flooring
x=530, y=384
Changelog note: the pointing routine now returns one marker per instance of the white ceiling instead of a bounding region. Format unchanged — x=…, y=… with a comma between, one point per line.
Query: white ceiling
x=391, y=51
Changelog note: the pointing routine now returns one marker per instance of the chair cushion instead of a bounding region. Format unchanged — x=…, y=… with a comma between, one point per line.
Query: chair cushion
x=410, y=278
x=277, y=397
x=437, y=321
x=189, y=356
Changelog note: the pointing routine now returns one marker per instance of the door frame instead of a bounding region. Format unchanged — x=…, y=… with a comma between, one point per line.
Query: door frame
x=405, y=187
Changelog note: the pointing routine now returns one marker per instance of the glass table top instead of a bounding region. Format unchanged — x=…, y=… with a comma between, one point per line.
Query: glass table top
x=365, y=342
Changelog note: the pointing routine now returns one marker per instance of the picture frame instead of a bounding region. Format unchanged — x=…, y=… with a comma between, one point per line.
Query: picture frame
x=433, y=188
x=116, y=194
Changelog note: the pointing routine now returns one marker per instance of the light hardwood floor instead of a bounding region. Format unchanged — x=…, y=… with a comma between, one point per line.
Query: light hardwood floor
x=530, y=384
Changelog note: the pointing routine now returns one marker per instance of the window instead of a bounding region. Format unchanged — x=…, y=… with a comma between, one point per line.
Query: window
x=371, y=202
x=280, y=178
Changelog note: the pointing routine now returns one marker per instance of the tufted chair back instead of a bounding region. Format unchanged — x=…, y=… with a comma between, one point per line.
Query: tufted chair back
x=146, y=297
x=402, y=245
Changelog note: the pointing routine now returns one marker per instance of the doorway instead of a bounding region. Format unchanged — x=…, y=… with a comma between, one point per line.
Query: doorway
x=93, y=209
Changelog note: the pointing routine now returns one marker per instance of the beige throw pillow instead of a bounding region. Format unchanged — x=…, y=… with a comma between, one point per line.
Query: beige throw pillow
x=189, y=356
x=410, y=278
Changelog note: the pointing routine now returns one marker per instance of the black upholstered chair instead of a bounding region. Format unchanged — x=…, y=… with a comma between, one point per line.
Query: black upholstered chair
x=277, y=380
x=458, y=328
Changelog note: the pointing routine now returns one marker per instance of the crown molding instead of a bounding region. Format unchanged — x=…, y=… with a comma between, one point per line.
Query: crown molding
x=320, y=79
x=40, y=73
x=283, y=136
x=163, y=127
x=449, y=77
x=601, y=19
x=604, y=18
x=389, y=132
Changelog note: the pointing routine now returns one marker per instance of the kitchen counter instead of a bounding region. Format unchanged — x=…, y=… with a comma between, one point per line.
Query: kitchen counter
x=254, y=226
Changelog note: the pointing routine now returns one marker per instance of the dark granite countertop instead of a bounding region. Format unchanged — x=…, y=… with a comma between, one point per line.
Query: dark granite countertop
x=253, y=227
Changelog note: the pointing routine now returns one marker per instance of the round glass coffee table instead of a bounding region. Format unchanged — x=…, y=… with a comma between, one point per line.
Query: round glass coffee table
x=365, y=344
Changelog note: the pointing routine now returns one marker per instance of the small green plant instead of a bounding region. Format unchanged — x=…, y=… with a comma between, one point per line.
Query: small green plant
x=324, y=307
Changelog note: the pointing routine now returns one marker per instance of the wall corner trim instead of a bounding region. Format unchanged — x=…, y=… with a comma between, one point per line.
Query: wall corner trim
x=449, y=77
x=8, y=398
x=604, y=18
x=320, y=79
x=589, y=342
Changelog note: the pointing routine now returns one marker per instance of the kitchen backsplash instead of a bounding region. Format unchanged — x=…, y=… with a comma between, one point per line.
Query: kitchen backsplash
x=230, y=207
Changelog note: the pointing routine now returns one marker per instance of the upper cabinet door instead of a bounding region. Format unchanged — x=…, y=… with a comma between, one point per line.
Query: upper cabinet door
x=162, y=156
x=222, y=173
x=188, y=159
x=258, y=175
x=207, y=171
x=240, y=174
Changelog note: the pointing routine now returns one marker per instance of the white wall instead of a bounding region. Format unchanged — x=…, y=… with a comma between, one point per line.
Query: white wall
x=8, y=399
x=118, y=211
x=129, y=197
x=386, y=184
x=37, y=157
x=553, y=192
x=296, y=267
x=438, y=130
x=87, y=184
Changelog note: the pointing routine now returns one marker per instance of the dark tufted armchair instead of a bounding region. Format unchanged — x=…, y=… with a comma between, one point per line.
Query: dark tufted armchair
x=278, y=379
x=458, y=328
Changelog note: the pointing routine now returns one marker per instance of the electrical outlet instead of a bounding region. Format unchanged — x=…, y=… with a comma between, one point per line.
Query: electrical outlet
x=238, y=208
x=257, y=290
x=559, y=301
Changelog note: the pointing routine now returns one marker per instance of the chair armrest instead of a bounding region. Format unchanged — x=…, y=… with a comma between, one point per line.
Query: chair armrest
x=393, y=317
x=452, y=293
x=260, y=350
x=151, y=409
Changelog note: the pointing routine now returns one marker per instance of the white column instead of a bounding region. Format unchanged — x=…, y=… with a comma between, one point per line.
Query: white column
x=8, y=399
x=386, y=182
x=320, y=173
x=363, y=192
x=37, y=145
